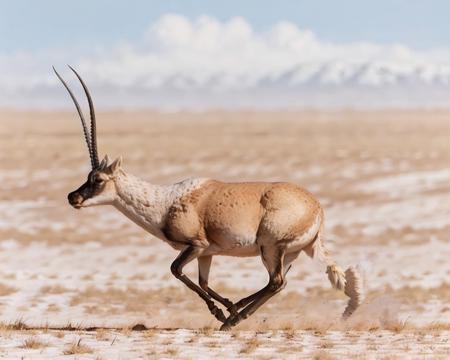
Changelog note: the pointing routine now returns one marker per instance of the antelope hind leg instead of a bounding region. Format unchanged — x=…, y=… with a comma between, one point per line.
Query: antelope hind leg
x=287, y=264
x=273, y=259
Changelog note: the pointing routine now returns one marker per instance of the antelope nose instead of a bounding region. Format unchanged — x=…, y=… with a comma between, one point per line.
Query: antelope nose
x=75, y=199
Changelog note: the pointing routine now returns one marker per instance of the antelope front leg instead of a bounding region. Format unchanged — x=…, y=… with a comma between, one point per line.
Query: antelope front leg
x=186, y=256
x=204, y=264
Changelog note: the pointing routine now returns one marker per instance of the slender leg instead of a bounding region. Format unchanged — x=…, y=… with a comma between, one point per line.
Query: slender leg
x=204, y=264
x=287, y=264
x=273, y=259
x=245, y=301
x=186, y=256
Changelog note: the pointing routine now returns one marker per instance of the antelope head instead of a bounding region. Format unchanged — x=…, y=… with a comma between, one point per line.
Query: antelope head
x=99, y=188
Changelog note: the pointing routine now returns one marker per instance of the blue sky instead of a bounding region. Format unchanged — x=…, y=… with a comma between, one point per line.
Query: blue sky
x=42, y=24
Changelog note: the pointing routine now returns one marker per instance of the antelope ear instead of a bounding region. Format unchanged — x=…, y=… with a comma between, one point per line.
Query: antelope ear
x=104, y=162
x=115, y=165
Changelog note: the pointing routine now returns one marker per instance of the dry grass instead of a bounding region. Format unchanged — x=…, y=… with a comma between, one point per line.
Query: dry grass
x=60, y=334
x=77, y=348
x=102, y=334
x=395, y=325
x=289, y=333
x=126, y=330
x=172, y=351
x=54, y=289
x=437, y=326
x=322, y=355
x=327, y=344
x=19, y=324
x=151, y=333
x=6, y=289
x=34, y=343
x=53, y=308
x=250, y=345
x=206, y=330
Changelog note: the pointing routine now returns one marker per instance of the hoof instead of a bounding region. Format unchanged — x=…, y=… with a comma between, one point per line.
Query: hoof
x=225, y=327
x=231, y=321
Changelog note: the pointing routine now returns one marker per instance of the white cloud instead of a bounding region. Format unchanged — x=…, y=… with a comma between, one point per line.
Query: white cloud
x=207, y=63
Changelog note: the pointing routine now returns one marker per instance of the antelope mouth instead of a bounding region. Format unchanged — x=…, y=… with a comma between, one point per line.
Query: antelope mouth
x=76, y=203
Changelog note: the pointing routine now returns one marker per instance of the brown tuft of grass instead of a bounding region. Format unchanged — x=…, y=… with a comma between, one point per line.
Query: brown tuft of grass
x=126, y=331
x=33, y=343
x=148, y=260
x=150, y=332
x=16, y=325
x=77, y=348
x=54, y=289
x=172, y=351
x=395, y=325
x=72, y=327
x=326, y=344
x=10, y=276
x=250, y=345
x=138, y=277
x=87, y=277
x=317, y=326
x=53, y=308
x=60, y=334
x=6, y=289
x=90, y=309
x=289, y=333
x=322, y=355
x=437, y=326
x=206, y=330
x=192, y=340
x=102, y=334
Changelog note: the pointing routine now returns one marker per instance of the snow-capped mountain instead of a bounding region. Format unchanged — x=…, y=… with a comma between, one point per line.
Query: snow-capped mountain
x=207, y=63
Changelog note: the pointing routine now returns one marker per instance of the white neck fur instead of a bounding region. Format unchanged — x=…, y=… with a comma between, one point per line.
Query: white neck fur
x=143, y=203
x=146, y=204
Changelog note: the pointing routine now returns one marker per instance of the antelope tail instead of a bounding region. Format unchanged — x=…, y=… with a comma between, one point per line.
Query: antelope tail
x=350, y=281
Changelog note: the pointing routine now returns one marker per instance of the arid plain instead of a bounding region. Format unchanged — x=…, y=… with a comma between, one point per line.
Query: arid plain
x=74, y=284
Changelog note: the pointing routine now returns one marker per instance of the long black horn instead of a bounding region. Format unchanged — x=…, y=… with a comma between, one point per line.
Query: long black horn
x=93, y=122
x=80, y=113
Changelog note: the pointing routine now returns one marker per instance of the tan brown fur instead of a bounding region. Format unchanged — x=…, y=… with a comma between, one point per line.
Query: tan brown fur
x=278, y=213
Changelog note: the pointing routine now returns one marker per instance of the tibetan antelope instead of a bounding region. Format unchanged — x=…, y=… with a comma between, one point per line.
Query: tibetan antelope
x=203, y=217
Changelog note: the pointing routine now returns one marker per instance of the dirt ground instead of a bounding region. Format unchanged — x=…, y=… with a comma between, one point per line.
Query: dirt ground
x=73, y=284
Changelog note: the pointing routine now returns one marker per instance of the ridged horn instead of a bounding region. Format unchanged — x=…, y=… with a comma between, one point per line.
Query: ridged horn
x=87, y=135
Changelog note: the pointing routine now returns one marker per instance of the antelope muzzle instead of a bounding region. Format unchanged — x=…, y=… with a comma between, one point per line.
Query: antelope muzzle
x=75, y=199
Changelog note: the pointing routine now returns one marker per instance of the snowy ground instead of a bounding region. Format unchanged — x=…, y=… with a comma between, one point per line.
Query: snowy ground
x=382, y=178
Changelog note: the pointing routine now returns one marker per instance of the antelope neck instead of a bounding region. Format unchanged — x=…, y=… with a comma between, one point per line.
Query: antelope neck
x=143, y=203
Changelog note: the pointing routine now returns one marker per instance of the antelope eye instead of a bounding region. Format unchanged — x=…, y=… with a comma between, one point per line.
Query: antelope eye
x=98, y=180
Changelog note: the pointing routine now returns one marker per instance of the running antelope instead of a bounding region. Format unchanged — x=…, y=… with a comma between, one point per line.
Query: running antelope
x=203, y=217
